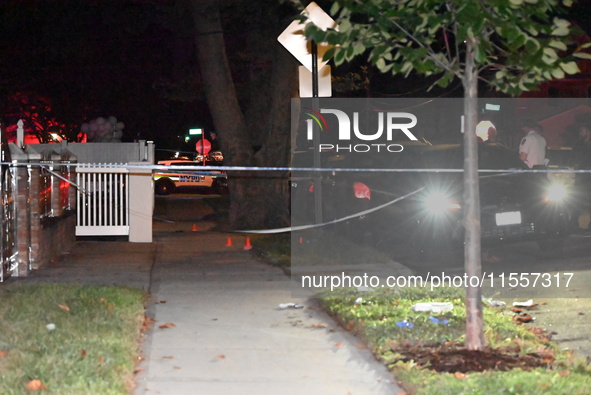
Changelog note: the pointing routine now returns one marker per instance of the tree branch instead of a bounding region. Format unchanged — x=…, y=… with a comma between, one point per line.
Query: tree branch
x=432, y=54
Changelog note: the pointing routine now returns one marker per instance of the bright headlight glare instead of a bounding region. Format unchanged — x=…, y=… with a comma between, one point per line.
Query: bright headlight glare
x=556, y=193
x=438, y=203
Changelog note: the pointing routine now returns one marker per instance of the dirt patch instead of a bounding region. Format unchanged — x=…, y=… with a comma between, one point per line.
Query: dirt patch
x=453, y=358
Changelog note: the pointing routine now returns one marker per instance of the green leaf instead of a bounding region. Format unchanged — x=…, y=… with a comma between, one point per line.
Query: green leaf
x=558, y=45
x=345, y=26
x=380, y=64
x=479, y=54
x=557, y=73
x=339, y=57
x=334, y=8
x=445, y=80
x=329, y=53
x=561, y=31
x=358, y=48
x=582, y=55
x=570, y=67
x=561, y=22
x=532, y=45
x=516, y=2
x=550, y=56
x=406, y=67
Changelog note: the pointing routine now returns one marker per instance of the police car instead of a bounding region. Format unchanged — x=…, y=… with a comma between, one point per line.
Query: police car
x=168, y=181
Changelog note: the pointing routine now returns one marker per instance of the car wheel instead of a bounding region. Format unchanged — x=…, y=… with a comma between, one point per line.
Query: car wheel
x=164, y=186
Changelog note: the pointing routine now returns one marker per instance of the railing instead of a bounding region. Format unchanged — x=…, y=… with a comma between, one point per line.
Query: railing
x=102, y=201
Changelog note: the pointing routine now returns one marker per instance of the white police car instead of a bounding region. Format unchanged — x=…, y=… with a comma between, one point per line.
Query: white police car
x=168, y=181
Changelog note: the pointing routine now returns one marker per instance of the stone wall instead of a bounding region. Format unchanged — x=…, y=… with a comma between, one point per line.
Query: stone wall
x=46, y=222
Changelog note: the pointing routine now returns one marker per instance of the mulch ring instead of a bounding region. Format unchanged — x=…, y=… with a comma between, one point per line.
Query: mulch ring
x=455, y=358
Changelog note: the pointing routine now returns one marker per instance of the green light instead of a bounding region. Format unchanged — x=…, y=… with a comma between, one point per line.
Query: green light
x=187, y=138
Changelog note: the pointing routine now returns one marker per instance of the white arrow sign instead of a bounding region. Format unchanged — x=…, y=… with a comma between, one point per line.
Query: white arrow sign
x=294, y=40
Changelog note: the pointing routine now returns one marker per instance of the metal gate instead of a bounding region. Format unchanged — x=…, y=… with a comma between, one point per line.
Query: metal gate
x=102, y=201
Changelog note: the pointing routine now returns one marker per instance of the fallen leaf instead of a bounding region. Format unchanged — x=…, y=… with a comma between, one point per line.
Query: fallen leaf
x=147, y=322
x=3, y=354
x=167, y=325
x=138, y=370
x=350, y=325
x=459, y=375
x=100, y=360
x=523, y=318
x=176, y=367
x=64, y=307
x=221, y=356
x=316, y=326
x=83, y=353
x=36, y=385
x=167, y=357
x=338, y=344
x=361, y=346
x=564, y=373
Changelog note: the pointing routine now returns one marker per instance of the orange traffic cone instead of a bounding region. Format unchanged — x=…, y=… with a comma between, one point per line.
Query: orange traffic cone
x=229, y=242
x=194, y=228
x=247, y=246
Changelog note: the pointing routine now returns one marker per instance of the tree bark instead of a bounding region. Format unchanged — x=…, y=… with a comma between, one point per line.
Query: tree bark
x=258, y=199
x=472, y=249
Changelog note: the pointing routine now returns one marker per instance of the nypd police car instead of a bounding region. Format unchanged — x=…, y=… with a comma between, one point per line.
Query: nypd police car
x=175, y=179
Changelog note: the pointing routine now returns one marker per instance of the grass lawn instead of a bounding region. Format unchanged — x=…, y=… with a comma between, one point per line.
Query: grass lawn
x=69, y=339
x=412, y=344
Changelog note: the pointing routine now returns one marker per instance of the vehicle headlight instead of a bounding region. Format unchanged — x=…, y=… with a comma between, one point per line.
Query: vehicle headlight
x=556, y=193
x=439, y=203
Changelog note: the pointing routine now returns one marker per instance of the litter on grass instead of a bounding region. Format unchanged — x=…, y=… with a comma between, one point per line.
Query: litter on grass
x=433, y=307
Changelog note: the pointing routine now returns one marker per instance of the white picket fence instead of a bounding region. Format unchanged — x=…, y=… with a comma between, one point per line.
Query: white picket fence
x=102, y=200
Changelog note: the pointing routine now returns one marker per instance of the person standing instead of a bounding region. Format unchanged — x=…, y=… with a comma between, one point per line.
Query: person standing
x=532, y=149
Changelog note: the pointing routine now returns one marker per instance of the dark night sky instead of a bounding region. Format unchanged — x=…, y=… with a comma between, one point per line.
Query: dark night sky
x=101, y=58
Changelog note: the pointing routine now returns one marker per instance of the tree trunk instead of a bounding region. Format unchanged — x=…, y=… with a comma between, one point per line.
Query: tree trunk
x=258, y=199
x=472, y=249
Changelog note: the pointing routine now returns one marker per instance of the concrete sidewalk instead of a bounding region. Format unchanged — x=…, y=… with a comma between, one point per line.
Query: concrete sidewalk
x=223, y=331
x=231, y=337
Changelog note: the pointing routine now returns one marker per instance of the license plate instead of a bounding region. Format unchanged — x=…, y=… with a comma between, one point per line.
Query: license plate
x=508, y=218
